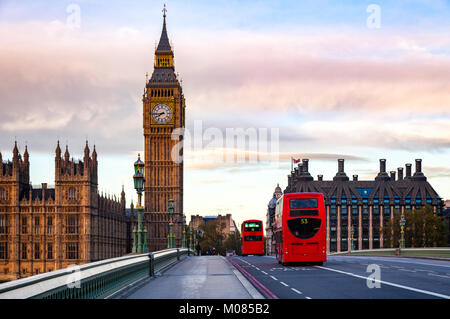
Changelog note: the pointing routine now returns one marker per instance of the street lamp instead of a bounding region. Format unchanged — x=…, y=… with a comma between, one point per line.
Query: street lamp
x=353, y=232
x=140, y=239
x=402, y=231
x=184, y=244
x=191, y=244
x=171, y=240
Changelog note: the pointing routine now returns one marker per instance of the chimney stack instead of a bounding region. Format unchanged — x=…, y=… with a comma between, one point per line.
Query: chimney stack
x=392, y=175
x=418, y=166
x=340, y=175
x=382, y=175
x=382, y=166
x=408, y=170
x=320, y=177
x=355, y=178
x=341, y=165
x=400, y=173
x=305, y=165
x=418, y=175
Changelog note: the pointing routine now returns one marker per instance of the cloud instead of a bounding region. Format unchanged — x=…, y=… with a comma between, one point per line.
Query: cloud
x=56, y=82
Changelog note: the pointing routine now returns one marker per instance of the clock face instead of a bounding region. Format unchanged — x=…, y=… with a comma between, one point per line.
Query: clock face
x=162, y=113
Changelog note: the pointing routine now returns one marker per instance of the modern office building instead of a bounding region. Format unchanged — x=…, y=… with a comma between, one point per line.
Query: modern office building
x=363, y=207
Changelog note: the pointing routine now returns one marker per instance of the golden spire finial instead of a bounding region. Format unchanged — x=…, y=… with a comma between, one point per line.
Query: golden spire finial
x=164, y=11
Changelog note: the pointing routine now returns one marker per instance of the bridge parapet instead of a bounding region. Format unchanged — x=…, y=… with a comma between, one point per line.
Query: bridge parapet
x=100, y=279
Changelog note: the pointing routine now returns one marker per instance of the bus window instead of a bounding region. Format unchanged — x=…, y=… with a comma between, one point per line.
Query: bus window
x=298, y=213
x=252, y=238
x=299, y=203
x=304, y=228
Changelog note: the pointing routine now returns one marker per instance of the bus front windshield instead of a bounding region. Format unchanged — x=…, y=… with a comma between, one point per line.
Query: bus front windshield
x=304, y=228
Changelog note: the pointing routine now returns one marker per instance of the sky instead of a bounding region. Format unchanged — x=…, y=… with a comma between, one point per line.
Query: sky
x=360, y=80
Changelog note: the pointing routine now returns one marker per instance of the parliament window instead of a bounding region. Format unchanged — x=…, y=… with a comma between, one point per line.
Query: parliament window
x=24, y=225
x=37, y=251
x=72, y=193
x=49, y=251
x=49, y=225
x=3, y=224
x=23, y=252
x=72, y=224
x=2, y=194
x=4, y=250
x=36, y=226
x=72, y=251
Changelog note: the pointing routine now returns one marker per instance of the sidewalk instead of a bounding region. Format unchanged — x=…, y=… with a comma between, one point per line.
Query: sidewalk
x=198, y=277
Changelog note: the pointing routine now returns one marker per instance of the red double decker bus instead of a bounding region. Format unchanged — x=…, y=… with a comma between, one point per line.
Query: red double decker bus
x=252, y=237
x=299, y=229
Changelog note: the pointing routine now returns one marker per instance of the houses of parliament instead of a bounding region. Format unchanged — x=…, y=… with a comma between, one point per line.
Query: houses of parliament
x=48, y=228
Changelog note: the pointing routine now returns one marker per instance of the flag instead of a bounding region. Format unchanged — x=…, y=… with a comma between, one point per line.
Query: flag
x=294, y=160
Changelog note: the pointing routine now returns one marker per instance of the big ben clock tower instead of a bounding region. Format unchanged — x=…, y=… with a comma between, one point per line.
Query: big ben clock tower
x=163, y=111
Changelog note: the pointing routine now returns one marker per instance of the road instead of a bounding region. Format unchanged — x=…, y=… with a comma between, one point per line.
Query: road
x=196, y=277
x=345, y=277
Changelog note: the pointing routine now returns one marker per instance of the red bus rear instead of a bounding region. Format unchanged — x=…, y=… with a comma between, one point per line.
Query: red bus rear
x=252, y=237
x=299, y=228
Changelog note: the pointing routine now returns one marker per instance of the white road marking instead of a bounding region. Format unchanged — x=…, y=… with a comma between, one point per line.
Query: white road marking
x=402, y=269
x=284, y=284
x=396, y=260
x=264, y=272
x=308, y=297
x=299, y=292
x=388, y=283
x=257, y=268
x=273, y=278
x=438, y=275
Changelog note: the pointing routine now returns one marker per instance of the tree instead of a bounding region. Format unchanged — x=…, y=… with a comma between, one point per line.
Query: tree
x=233, y=242
x=423, y=229
x=212, y=237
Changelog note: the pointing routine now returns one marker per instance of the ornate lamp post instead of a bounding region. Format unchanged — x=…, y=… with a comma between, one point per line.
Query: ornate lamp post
x=139, y=235
x=402, y=231
x=171, y=239
x=191, y=244
x=353, y=232
x=184, y=244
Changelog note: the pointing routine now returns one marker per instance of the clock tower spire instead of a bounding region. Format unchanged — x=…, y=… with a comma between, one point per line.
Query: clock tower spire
x=163, y=111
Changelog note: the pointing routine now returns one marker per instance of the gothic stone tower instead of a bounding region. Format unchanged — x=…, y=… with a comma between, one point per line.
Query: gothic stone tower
x=163, y=112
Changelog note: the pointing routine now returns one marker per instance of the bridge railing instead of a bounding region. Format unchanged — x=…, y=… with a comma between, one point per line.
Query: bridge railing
x=101, y=279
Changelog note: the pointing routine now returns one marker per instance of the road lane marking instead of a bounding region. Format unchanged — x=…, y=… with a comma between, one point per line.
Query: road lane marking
x=259, y=286
x=299, y=292
x=264, y=272
x=257, y=268
x=438, y=275
x=394, y=259
x=387, y=283
x=402, y=269
x=273, y=278
x=308, y=297
x=284, y=284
